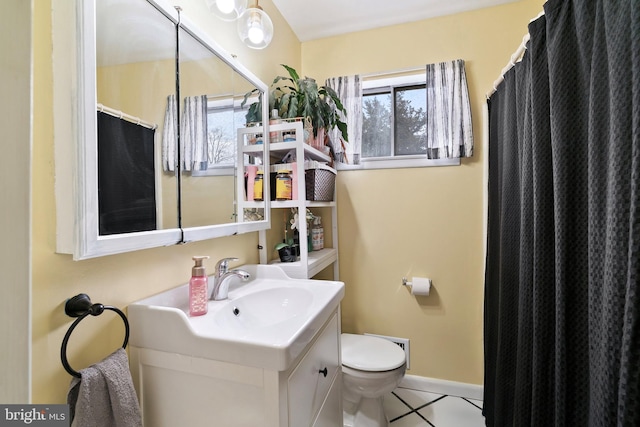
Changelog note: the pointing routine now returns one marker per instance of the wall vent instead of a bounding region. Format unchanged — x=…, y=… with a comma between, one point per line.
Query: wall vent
x=403, y=343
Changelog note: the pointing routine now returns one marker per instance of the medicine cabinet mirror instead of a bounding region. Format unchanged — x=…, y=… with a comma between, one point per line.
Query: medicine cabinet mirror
x=209, y=190
x=158, y=110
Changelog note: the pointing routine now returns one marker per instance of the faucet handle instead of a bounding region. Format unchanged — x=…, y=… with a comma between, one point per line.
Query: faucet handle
x=223, y=265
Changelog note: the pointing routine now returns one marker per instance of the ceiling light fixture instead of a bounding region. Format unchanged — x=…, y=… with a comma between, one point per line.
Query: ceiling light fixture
x=227, y=10
x=255, y=27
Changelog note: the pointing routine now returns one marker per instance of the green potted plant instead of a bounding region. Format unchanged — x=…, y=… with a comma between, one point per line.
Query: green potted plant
x=287, y=252
x=294, y=97
x=289, y=249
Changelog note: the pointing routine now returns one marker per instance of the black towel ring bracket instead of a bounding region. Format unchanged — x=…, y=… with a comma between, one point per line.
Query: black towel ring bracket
x=81, y=306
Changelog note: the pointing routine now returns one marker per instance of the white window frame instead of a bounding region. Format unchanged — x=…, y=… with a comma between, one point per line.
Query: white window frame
x=397, y=162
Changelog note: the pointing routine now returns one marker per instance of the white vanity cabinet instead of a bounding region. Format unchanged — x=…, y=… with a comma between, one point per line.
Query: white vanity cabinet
x=177, y=389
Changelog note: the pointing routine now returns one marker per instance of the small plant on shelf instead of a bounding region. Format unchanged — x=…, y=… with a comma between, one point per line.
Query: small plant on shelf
x=289, y=249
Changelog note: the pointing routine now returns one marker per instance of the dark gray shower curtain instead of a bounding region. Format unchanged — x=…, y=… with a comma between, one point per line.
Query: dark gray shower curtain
x=126, y=176
x=562, y=302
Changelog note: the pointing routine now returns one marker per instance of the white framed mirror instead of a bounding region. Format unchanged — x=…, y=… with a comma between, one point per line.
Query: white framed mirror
x=130, y=189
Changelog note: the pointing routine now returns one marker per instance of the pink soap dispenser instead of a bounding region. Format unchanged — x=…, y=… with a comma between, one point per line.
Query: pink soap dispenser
x=198, y=288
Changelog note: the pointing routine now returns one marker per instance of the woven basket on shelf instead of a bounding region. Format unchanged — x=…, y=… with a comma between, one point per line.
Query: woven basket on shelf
x=320, y=182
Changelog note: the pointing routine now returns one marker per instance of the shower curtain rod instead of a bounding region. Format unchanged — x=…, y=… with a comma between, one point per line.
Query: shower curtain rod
x=517, y=56
x=116, y=113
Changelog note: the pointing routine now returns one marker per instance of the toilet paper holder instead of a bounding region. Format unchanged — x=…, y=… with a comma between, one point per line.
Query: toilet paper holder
x=421, y=289
x=406, y=282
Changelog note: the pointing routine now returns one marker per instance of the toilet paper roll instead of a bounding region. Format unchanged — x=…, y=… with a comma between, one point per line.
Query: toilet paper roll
x=420, y=286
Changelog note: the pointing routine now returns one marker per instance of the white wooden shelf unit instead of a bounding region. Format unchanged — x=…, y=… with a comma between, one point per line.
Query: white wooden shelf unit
x=309, y=263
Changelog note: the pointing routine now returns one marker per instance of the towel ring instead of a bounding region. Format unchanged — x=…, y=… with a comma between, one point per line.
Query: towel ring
x=80, y=306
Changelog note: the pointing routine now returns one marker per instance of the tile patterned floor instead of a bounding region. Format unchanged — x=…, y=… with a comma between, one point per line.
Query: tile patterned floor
x=413, y=408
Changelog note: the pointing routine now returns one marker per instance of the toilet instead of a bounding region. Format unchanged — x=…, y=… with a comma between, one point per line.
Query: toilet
x=371, y=368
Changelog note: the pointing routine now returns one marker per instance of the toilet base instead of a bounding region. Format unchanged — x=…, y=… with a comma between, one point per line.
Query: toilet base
x=368, y=412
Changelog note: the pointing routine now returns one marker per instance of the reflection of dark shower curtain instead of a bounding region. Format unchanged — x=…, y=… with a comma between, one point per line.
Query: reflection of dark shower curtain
x=126, y=180
x=562, y=294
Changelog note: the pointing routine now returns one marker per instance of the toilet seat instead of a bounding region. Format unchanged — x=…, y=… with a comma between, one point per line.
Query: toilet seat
x=372, y=354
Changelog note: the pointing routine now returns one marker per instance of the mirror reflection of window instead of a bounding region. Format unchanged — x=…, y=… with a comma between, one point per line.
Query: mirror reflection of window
x=224, y=117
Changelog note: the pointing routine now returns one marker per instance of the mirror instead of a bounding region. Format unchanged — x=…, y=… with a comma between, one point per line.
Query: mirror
x=135, y=78
x=214, y=83
x=133, y=188
x=212, y=94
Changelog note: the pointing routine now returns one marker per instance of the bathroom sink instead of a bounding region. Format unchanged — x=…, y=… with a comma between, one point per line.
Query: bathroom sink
x=266, y=321
x=265, y=310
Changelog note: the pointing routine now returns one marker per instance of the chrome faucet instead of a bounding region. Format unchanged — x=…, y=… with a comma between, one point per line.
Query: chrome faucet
x=223, y=276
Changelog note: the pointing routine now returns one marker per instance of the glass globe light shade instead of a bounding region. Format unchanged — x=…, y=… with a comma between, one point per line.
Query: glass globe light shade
x=255, y=28
x=227, y=10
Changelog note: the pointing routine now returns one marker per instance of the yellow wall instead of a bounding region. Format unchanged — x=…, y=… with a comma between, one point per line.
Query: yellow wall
x=118, y=279
x=422, y=221
x=15, y=216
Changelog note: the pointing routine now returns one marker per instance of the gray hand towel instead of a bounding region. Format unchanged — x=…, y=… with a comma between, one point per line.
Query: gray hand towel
x=104, y=396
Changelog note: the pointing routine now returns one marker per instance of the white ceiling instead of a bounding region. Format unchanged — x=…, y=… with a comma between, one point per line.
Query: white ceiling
x=314, y=19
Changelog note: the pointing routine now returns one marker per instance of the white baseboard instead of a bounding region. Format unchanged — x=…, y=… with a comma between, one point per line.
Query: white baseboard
x=434, y=385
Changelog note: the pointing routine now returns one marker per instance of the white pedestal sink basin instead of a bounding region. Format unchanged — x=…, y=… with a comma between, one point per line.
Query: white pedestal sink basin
x=266, y=322
x=265, y=311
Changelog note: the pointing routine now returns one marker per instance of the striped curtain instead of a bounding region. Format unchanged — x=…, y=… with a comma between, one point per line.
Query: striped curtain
x=449, y=130
x=349, y=89
x=170, y=136
x=193, y=134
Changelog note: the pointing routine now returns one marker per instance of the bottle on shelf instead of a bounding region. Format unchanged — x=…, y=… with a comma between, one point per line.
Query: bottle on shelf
x=283, y=185
x=258, y=187
x=275, y=136
x=317, y=234
x=289, y=136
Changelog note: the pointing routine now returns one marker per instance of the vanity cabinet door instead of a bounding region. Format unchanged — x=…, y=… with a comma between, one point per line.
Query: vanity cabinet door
x=310, y=382
x=330, y=414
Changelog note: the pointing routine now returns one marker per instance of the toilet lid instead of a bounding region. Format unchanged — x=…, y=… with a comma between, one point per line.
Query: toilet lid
x=368, y=353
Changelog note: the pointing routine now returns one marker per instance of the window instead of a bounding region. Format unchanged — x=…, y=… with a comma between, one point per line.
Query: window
x=394, y=123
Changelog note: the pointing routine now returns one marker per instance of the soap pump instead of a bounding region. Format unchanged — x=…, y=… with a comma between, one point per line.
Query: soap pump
x=198, y=288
